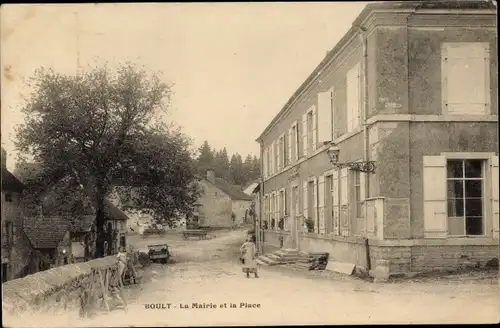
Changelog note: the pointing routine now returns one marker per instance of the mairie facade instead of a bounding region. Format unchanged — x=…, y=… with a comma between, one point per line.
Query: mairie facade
x=412, y=88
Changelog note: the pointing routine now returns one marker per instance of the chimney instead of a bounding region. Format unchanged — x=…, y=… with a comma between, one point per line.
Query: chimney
x=211, y=176
x=4, y=158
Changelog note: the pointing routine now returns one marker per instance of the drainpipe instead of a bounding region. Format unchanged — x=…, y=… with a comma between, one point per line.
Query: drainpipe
x=366, y=156
x=260, y=245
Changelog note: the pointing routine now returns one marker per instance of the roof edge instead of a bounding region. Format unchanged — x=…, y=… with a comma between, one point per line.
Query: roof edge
x=404, y=6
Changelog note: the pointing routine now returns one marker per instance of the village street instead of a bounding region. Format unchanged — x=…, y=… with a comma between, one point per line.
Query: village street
x=208, y=272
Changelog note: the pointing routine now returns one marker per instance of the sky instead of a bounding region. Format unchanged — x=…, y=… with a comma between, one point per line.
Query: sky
x=233, y=65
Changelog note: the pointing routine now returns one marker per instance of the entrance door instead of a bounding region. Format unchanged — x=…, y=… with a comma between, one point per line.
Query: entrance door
x=295, y=217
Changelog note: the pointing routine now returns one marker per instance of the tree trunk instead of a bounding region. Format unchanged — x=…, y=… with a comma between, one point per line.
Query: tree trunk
x=100, y=221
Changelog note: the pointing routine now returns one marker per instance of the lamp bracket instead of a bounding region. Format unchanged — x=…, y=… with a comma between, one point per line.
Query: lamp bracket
x=367, y=167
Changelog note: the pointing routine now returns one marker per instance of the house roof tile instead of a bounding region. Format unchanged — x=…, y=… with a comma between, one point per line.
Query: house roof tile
x=46, y=232
x=232, y=191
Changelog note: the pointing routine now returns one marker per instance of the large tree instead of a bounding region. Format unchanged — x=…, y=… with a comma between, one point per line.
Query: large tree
x=205, y=158
x=101, y=128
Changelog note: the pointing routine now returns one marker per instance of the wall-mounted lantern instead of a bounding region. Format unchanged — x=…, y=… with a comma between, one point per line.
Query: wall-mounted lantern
x=333, y=154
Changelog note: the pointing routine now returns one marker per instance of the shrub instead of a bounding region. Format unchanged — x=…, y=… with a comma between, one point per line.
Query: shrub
x=281, y=224
x=310, y=225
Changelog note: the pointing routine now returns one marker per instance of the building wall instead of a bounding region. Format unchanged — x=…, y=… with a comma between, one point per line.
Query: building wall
x=239, y=207
x=216, y=207
x=19, y=252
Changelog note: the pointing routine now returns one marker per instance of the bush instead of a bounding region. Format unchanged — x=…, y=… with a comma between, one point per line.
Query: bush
x=144, y=259
x=281, y=224
x=310, y=225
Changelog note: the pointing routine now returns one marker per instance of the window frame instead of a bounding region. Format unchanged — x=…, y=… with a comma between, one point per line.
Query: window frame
x=484, y=172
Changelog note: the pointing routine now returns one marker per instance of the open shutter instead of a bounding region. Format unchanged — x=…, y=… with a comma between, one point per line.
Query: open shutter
x=465, y=69
x=304, y=206
x=362, y=197
x=324, y=116
x=344, y=202
x=335, y=203
x=278, y=155
x=264, y=163
x=296, y=141
x=332, y=102
x=314, y=130
x=321, y=204
x=290, y=140
x=435, y=213
x=273, y=157
x=315, y=204
x=304, y=135
x=494, y=197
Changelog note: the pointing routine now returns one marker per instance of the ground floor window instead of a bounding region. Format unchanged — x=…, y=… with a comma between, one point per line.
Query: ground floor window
x=465, y=184
x=5, y=272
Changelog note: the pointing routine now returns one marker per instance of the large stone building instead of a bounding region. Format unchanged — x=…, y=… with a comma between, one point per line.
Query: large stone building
x=219, y=201
x=390, y=145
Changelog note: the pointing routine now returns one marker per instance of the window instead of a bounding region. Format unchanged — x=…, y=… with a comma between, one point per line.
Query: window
x=353, y=98
x=465, y=78
x=357, y=195
x=465, y=197
x=294, y=143
x=8, y=197
x=268, y=153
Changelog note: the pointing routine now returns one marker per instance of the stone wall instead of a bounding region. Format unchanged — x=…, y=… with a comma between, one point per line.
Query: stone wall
x=55, y=290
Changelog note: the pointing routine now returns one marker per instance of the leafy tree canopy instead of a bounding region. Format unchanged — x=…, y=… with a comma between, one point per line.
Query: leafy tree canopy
x=101, y=128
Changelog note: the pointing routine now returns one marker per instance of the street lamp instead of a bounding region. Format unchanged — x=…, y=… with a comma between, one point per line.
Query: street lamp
x=333, y=154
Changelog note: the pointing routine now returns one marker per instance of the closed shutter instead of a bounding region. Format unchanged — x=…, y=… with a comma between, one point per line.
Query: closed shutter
x=321, y=204
x=304, y=135
x=314, y=130
x=465, y=70
x=435, y=212
x=324, y=116
x=335, y=203
x=344, y=203
x=494, y=197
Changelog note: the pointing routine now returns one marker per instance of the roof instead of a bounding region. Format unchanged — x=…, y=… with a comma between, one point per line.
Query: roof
x=232, y=191
x=10, y=182
x=355, y=28
x=251, y=188
x=46, y=232
x=113, y=212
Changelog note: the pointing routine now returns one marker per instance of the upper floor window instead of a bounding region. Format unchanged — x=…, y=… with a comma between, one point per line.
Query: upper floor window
x=284, y=151
x=353, y=80
x=465, y=78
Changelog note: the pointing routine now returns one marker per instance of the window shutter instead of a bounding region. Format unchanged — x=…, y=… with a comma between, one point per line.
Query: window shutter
x=278, y=155
x=321, y=204
x=297, y=140
x=314, y=129
x=304, y=206
x=304, y=135
x=465, y=84
x=344, y=203
x=315, y=204
x=264, y=163
x=362, y=190
x=273, y=157
x=290, y=140
x=285, y=204
x=335, y=203
x=324, y=116
x=435, y=213
x=494, y=197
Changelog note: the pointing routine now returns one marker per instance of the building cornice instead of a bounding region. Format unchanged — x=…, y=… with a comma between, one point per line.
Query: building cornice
x=392, y=14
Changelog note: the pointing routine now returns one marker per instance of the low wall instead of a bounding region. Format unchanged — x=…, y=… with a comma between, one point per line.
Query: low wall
x=54, y=290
